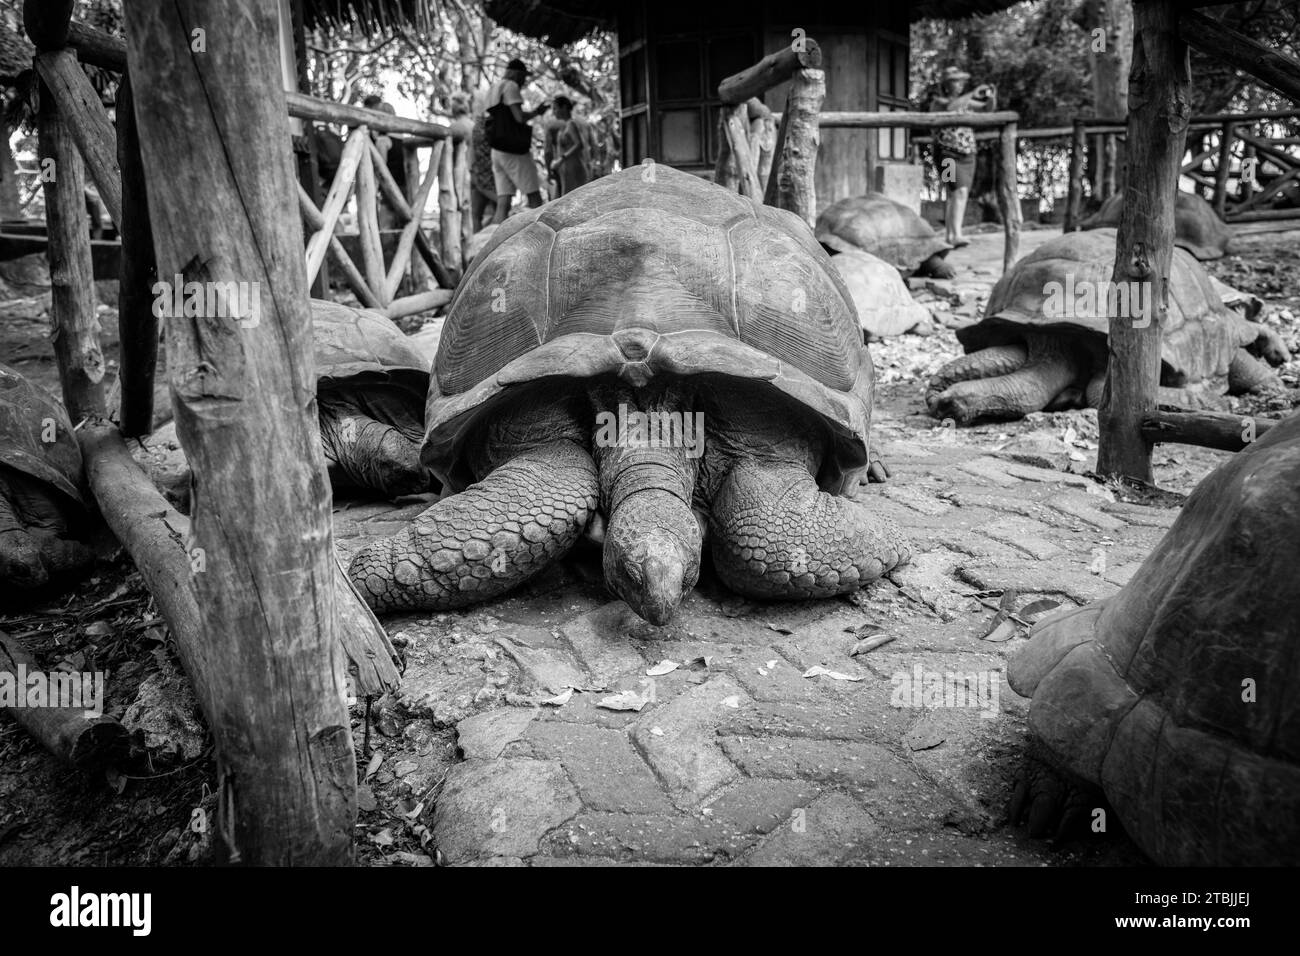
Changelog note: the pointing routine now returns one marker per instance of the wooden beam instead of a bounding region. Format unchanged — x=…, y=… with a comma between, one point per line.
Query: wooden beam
x=97, y=48
x=87, y=122
x=336, y=199
x=1220, y=41
x=407, y=239
x=773, y=70
x=1206, y=429
x=1223, y=170
x=75, y=324
x=1159, y=96
x=736, y=123
x=794, y=171
x=393, y=193
x=137, y=324
x=1009, y=197
x=854, y=120
x=448, y=213
x=351, y=274
x=1074, y=196
x=372, y=247
x=323, y=111
x=420, y=302
x=75, y=735
x=221, y=202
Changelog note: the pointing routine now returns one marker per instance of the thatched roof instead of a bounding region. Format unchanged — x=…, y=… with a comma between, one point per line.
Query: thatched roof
x=372, y=16
x=561, y=22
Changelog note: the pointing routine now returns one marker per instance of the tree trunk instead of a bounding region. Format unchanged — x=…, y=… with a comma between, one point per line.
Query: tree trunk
x=215, y=141
x=1160, y=98
x=1110, y=56
x=9, y=192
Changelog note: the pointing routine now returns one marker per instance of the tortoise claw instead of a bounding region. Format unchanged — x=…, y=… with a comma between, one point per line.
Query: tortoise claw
x=1050, y=806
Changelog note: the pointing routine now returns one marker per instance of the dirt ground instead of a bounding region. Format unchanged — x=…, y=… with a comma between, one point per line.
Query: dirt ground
x=144, y=812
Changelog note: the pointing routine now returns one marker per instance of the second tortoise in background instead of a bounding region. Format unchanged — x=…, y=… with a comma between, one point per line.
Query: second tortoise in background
x=1042, y=341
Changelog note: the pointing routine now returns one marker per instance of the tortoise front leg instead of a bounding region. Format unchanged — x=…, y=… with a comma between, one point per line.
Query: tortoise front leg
x=20, y=553
x=775, y=535
x=1051, y=367
x=531, y=506
x=365, y=453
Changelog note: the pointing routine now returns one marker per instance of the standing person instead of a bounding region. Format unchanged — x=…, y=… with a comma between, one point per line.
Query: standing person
x=572, y=147
x=956, y=147
x=511, y=137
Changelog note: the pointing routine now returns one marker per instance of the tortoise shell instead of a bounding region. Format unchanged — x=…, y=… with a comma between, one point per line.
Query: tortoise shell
x=1177, y=696
x=651, y=271
x=886, y=229
x=1197, y=227
x=1200, y=336
x=356, y=347
x=28, y=416
x=884, y=305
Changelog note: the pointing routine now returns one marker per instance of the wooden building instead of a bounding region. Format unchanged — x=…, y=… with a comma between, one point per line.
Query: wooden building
x=672, y=56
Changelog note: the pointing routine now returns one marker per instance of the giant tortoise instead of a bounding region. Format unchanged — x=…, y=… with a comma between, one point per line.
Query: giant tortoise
x=1197, y=227
x=671, y=355
x=1176, y=697
x=1042, y=341
x=889, y=230
x=370, y=390
x=42, y=498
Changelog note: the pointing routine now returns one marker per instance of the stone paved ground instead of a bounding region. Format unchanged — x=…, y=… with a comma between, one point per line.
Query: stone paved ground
x=735, y=755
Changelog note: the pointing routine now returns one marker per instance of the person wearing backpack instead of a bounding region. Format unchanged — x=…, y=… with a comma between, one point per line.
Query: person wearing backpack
x=510, y=136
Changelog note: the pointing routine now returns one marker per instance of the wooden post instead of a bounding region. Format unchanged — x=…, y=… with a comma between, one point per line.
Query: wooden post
x=797, y=165
x=1111, y=167
x=736, y=123
x=222, y=209
x=1074, y=201
x=351, y=274
x=448, y=211
x=460, y=167
x=725, y=172
x=354, y=152
x=1159, y=107
x=1225, y=167
x=75, y=326
x=372, y=247
x=137, y=324
x=86, y=120
x=407, y=239
x=1009, y=196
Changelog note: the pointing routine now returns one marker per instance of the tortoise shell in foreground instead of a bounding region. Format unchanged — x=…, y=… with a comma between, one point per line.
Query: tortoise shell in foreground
x=1177, y=697
x=656, y=349
x=1042, y=341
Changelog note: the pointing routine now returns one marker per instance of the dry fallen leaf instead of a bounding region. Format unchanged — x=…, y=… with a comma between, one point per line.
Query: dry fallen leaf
x=559, y=700
x=820, y=671
x=627, y=700
x=870, y=644
x=732, y=701
x=1004, y=631
x=376, y=761
x=662, y=668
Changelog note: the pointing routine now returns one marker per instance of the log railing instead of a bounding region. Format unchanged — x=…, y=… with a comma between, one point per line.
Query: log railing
x=373, y=283
x=1239, y=150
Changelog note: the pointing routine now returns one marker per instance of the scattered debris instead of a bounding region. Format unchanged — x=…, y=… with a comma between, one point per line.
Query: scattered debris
x=819, y=671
